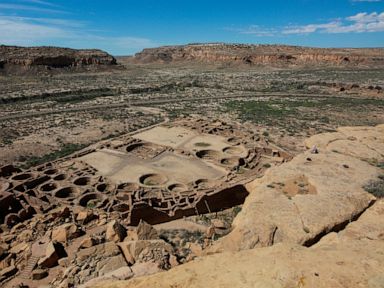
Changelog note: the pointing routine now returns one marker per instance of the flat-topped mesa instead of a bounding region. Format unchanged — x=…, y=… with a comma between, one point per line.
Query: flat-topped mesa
x=25, y=58
x=271, y=55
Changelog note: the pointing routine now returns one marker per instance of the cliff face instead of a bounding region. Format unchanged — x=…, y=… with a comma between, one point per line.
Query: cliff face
x=271, y=55
x=13, y=58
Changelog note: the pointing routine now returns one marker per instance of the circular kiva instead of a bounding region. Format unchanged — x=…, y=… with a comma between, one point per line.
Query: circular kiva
x=128, y=187
x=121, y=207
x=177, y=187
x=48, y=187
x=153, y=179
x=234, y=140
x=204, y=183
x=50, y=171
x=233, y=161
x=125, y=190
x=92, y=200
x=233, y=150
x=82, y=181
x=66, y=192
x=208, y=154
x=22, y=177
x=60, y=177
x=104, y=187
x=138, y=146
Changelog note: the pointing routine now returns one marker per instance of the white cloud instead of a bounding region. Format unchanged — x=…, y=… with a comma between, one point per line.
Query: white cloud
x=19, y=7
x=359, y=23
x=40, y=2
x=254, y=30
x=366, y=0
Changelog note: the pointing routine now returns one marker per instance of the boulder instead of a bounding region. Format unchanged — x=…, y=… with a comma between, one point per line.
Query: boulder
x=103, y=250
x=146, y=232
x=145, y=269
x=2, y=251
x=219, y=224
x=87, y=242
x=115, y=232
x=64, y=262
x=85, y=216
x=54, y=251
x=8, y=272
x=39, y=274
x=123, y=273
x=19, y=248
x=66, y=232
x=110, y=264
x=145, y=250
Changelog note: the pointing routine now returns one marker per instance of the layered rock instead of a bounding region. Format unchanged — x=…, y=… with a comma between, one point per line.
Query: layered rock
x=268, y=55
x=25, y=58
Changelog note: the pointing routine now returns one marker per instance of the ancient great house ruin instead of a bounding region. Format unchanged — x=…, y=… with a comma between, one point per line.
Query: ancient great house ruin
x=189, y=167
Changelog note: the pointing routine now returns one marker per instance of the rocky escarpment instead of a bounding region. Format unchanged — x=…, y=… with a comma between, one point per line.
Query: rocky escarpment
x=13, y=59
x=307, y=223
x=265, y=55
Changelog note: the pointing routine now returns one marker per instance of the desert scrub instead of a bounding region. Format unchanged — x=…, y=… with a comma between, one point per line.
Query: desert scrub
x=376, y=187
x=65, y=150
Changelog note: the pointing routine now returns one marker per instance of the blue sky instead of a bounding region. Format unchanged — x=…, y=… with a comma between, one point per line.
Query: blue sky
x=126, y=27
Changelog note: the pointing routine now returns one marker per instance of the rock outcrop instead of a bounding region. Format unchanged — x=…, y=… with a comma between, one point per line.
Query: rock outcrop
x=306, y=223
x=265, y=55
x=15, y=59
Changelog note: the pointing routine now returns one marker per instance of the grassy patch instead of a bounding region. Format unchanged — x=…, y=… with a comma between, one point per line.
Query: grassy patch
x=202, y=144
x=66, y=149
x=376, y=188
x=298, y=114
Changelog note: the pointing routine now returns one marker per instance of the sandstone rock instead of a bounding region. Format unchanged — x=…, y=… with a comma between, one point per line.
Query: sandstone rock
x=219, y=224
x=122, y=273
x=282, y=265
x=348, y=259
x=145, y=269
x=87, y=242
x=26, y=58
x=3, y=250
x=19, y=248
x=265, y=55
x=146, y=231
x=9, y=260
x=85, y=216
x=53, y=253
x=110, y=264
x=131, y=236
x=8, y=272
x=173, y=261
x=145, y=250
x=25, y=236
x=61, y=212
x=63, y=262
x=115, y=232
x=196, y=249
x=271, y=214
x=66, y=232
x=105, y=250
x=39, y=274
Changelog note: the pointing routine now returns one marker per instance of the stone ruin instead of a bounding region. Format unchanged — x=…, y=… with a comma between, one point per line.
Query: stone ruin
x=189, y=167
